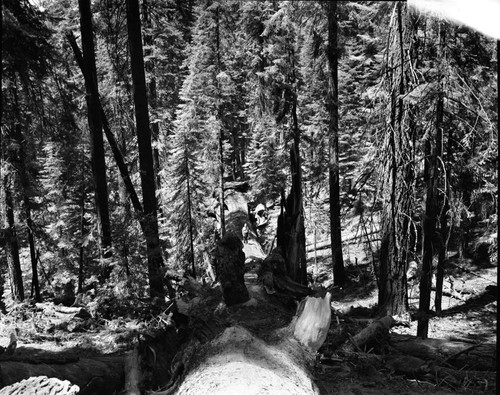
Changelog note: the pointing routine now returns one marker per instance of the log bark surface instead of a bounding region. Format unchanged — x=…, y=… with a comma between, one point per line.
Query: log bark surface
x=372, y=332
x=459, y=354
x=239, y=363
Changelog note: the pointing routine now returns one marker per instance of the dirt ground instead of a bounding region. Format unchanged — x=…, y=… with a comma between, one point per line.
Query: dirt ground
x=469, y=315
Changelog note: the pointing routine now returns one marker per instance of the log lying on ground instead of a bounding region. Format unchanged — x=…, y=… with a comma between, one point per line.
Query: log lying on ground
x=94, y=376
x=41, y=385
x=239, y=363
x=416, y=368
x=462, y=355
x=373, y=332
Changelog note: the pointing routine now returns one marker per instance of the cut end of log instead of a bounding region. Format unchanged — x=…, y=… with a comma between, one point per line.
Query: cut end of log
x=313, y=321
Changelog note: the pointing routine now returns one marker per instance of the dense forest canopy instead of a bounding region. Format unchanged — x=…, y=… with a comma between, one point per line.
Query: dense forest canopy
x=101, y=186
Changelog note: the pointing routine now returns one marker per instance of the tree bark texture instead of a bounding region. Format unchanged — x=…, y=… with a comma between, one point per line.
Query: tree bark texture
x=291, y=235
x=14, y=263
x=291, y=229
x=153, y=95
x=230, y=269
x=113, y=143
x=398, y=154
x=239, y=362
x=333, y=147
x=95, y=126
x=189, y=209
x=221, y=129
x=155, y=260
x=461, y=355
x=428, y=232
x=25, y=182
x=444, y=193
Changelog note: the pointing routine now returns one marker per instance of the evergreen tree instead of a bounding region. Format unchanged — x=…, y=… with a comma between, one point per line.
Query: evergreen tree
x=155, y=260
x=95, y=126
x=398, y=174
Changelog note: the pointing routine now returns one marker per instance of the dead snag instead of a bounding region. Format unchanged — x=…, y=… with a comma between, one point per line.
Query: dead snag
x=230, y=269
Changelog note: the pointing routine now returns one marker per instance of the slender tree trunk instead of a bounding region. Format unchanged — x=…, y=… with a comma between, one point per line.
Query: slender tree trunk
x=428, y=230
x=3, y=266
x=443, y=195
x=155, y=260
x=221, y=131
x=81, y=258
x=115, y=149
x=95, y=126
x=296, y=252
x=23, y=175
x=333, y=148
x=190, y=217
x=14, y=263
x=153, y=96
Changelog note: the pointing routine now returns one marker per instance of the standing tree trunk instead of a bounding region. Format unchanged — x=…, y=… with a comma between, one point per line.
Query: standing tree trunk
x=221, y=131
x=14, y=263
x=81, y=258
x=95, y=126
x=333, y=147
x=428, y=230
x=155, y=260
x=190, y=217
x=153, y=95
x=23, y=175
x=444, y=194
x=399, y=181
x=291, y=235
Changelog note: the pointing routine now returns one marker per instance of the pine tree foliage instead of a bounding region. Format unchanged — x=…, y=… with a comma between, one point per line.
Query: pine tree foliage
x=237, y=70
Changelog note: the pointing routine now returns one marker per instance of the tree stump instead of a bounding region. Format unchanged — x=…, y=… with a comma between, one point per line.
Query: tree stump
x=230, y=269
x=313, y=321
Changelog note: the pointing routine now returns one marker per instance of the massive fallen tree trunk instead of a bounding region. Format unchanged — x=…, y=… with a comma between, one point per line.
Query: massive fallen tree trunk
x=239, y=363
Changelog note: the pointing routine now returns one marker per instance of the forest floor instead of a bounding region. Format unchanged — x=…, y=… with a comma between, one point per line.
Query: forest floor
x=469, y=315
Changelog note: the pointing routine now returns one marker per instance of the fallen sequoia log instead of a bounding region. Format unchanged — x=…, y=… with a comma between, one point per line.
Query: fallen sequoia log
x=238, y=362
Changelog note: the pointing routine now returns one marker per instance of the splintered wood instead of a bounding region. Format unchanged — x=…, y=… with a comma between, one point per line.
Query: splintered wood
x=313, y=321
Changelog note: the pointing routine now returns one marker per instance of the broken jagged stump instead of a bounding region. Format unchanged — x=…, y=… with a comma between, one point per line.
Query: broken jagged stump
x=312, y=321
x=230, y=269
